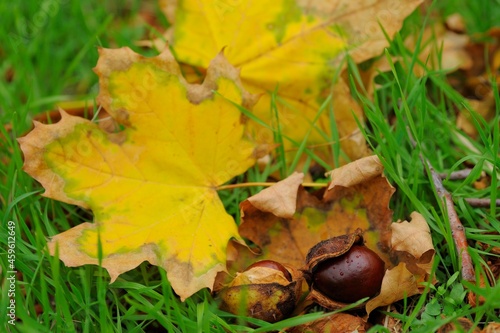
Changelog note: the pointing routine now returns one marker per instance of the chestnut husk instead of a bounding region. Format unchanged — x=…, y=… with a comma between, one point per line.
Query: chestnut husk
x=262, y=293
x=327, y=249
x=332, y=248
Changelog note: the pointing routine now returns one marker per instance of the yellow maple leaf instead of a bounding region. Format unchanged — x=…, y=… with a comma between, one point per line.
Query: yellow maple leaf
x=293, y=46
x=152, y=186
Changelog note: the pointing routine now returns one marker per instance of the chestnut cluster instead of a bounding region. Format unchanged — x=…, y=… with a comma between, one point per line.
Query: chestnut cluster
x=338, y=271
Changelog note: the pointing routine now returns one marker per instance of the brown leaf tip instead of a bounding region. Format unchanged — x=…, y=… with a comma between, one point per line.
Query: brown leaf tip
x=221, y=67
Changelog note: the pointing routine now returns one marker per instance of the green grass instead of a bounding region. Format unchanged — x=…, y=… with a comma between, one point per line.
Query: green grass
x=51, y=47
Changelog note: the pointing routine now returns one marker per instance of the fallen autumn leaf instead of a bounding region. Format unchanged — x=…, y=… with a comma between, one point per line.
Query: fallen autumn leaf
x=152, y=186
x=357, y=197
x=298, y=51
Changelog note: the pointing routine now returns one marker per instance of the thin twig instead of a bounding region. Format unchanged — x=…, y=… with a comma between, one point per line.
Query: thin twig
x=457, y=229
x=482, y=203
x=455, y=175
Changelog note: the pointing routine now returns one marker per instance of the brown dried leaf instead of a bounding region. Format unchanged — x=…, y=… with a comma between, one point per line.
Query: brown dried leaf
x=484, y=108
x=412, y=243
x=359, y=198
x=356, y=172
x=459, y=325
x=455, y=22
x=397, y=283
x=441, y=49
x=475, y=83
x=323, y=215
x=281, y=198
x=492, y=328
x=336, y=323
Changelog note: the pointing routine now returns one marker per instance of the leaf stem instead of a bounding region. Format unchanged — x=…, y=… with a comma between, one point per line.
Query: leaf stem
x=266, y=184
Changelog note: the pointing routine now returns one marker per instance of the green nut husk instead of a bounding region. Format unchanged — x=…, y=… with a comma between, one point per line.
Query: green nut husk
x=262, y=293
x=271, y=302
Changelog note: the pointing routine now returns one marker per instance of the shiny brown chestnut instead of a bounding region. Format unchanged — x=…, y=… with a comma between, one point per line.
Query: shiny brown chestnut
x=354, y=275
x=341, y=270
